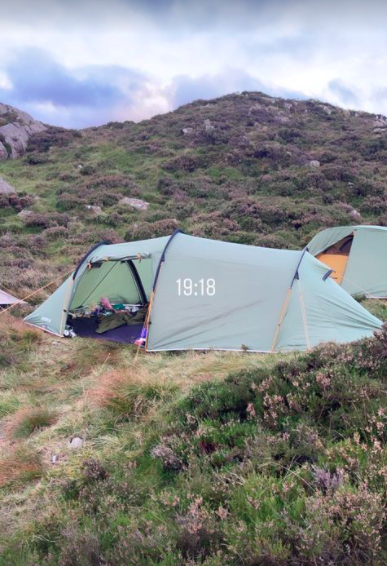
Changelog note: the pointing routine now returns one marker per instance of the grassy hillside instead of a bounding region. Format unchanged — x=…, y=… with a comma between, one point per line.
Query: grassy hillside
x=221, y=459
x=246, y=168
x=217, y=459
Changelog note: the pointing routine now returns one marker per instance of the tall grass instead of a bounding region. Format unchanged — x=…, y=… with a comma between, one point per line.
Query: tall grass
x=28, y=420
x=19, y=465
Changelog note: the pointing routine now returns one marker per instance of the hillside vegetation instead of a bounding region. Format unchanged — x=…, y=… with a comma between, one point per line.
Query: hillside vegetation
x=216, y=458
x=221, y=459
x=245, y=168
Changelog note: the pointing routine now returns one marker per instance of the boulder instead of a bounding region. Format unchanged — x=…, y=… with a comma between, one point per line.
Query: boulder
x=23, y=214
x=3, y=152
x=380, y=122
x=96, y=210
x=5, y=188
x=314, y=163
x=187, y=131
x=16, y=127
x=134, y=203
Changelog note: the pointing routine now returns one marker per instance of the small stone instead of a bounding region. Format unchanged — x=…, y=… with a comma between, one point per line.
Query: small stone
x=76, y=443
x=96, y=210
x=80, y=166
x=134, y=203
x=187, y=131
x=54, y=459
x=6, y=188
x=314, y=163
x=23, y=214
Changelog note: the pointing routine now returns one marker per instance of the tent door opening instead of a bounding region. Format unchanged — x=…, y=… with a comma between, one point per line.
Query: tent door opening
x=110, y=301
x=336, y=257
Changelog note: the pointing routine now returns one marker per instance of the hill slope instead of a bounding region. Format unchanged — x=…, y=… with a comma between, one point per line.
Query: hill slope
x=217, y=458
x=247, y=168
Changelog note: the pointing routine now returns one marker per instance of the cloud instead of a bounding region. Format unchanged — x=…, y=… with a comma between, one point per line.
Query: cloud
x=84, y=62
x=185, y=89
x=35, y=80
x=344, y=93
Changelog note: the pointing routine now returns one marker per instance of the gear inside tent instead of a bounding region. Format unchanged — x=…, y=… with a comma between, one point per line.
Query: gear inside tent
x=182, y=292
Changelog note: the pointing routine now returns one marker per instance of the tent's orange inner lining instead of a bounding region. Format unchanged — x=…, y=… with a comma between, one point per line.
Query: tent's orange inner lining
x=336, y=262
x=336, y=257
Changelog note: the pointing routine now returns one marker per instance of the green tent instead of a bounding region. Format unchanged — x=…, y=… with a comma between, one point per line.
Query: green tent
x=206, y=294
x=357, y=257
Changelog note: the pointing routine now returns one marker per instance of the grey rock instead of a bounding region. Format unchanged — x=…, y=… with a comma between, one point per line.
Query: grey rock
x=314, y=163
x=327, y=109
x=76, y=443
x=3, y=152
x=355, y=213
x=23, y=214
x=281, y=118
x=16, y=133
x=208, y=126
x=380, y=122
x=134, y=203
x=6, y=188
x=96, y=210
x=187, y=131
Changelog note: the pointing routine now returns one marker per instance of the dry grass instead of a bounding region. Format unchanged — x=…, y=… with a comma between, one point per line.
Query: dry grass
x=28, y=420
x=16, y=331
x=129, y=392
x=89, y=355
x=20, y=465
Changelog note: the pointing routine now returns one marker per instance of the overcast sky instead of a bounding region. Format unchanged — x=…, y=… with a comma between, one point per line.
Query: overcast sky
x=86, y=62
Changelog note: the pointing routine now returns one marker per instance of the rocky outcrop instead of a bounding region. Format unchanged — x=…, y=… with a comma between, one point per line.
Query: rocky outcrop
x=6, y=188
x=134, y=203
x=16, y=127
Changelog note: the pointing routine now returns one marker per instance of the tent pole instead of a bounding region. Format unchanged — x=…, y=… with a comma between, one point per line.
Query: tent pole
x=286, y=301
x=304, y=319
x=64, y=308
x=282, y=315
x=148, y=314
x=146, y=325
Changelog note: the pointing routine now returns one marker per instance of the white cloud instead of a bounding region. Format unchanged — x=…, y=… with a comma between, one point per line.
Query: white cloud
x=180, y=49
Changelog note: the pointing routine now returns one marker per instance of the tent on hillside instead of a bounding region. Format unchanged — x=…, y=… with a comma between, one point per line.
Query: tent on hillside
x=206, y=294
x=357, y=255
x=6, y=300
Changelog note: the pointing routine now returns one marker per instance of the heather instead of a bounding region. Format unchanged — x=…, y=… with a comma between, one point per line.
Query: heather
x=246, y=168
x=213, y=458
